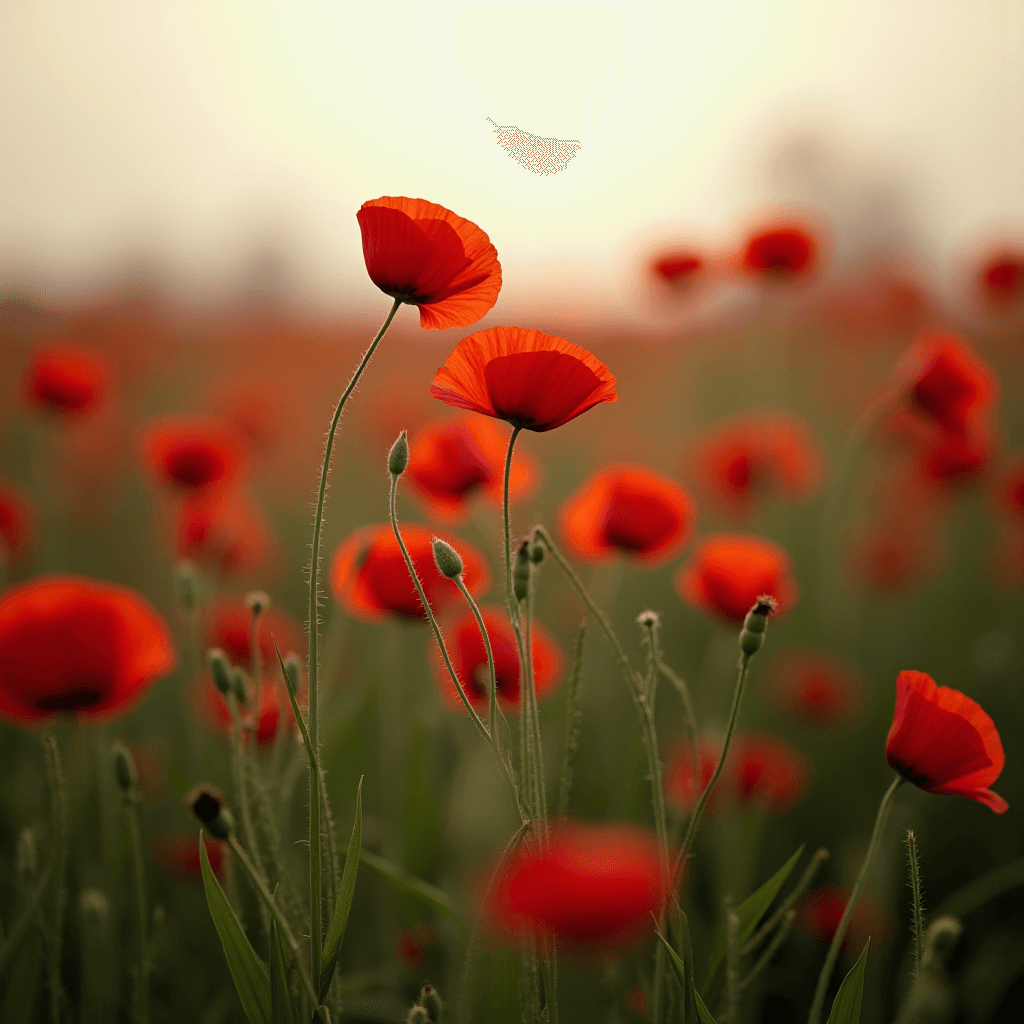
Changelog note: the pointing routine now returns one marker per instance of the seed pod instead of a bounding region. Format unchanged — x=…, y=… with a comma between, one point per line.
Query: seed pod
x=257, y=601
x=755, y=625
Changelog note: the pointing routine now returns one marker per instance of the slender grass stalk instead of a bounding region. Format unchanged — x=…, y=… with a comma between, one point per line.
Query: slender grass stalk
x=528, y=699
x=770, y=950
x=315, y=922
x=572, y=726
x=917, y=906
x=821, y=990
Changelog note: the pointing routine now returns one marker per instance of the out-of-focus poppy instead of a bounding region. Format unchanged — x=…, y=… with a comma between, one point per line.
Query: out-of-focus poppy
x=177, y=854
x=452, y=460
x=781, y=252
x=590, y=885
x=759, y=769
x=191, y=452
x=370, y=580
x=895, y=555
x=67, y=379
x=1011, y=490
x=815, y=687
x=469, y=659
x=223, y=529
x=947, y=380
x=750, y=455
x=425, y=255
x=943, y=742
x=627, y=509
x=1001, y=279
x=80, y=646
x=411, y=945
x=680, y=270
x=729, y=572
x=17, y=523
x=954, y=457
x=531, y=379
x=822, y=909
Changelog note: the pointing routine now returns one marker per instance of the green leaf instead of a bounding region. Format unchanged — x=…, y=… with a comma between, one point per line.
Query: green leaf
x=703, y=1014
x=846, y=1008
x=342, y=901
x=280, y=996
x=423, y=891
x=750, y=911
x=247, y=970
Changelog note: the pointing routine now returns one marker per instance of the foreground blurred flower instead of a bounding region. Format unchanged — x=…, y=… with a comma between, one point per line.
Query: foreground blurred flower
x=425, y=255
x=76, y=645
x=67, y=379
x=816, y=687
x=591, y=885
x=943, y=742
x=627, y=509
x=532, y=380
x=760, y=769
x=469, y=659
x=224, y=530
x=177, y=855
x=748, y=456
x=1001, y=279
x=822, y=909
x=729, y=572
x=370, y=580
x=191, y=452
x=17, y=523
x=449, y=462
x=782, y=252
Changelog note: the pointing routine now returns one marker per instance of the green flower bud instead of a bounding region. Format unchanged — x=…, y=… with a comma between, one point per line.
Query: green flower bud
x=124, y=769
x=398, y=457
x=940, y=940
x=219, y=669
x=521, y=573
x=755, y=625
x=447, y=559
x=240, y=685
x=431, y=1002
x=537, y=553
x=418, y=1015
x=292, y=672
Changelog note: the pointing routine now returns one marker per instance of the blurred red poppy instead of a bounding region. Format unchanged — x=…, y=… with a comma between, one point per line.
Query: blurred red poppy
x=469, y=659
x=17, y=523
x=627, y=509
x=451, y=461
x=1001, y=279
x=895, y=555
x=1012, y=489
x=591, y=885
x=177, y=854
x=943, y=742
x=955, y=457
x=947, y=380
x=225, y=530
x=531, y=379
x=680, y=270
x=760, y=769
x=729, y=572
x=67, y=378
x=822, y=909
x=370, y=580
x=411, y=943
x=191, y=452
x=77, y=645
x=425, y=255
x=815, y=687
x=756, y=453
x=783, y=251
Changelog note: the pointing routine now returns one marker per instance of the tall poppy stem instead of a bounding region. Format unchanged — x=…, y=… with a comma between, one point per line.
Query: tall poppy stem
x=315, y=927
x=837, y=940
x=140, y=1002
x=513, y=610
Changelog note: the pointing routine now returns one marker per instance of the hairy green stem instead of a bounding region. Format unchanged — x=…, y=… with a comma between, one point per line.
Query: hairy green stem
x=916, y=906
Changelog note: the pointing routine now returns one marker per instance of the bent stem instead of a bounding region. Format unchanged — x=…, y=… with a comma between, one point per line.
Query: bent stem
x=837, y=940
x=315, y=937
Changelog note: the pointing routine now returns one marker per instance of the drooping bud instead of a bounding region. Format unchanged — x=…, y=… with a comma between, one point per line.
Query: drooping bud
x=447, y=559
x=219, y=669
x=755, y=625
x=207, y=803
x=537, y=553
x=124, y=769
x=292, y=671
x=398, y=457
x=521, y=572
x=185, y=574
x=418, y=1015
x=431, y=1002
x=257, y=601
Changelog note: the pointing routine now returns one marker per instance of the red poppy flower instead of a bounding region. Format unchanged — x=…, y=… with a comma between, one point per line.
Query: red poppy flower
x=17, y=523
x=750, y=455
x=816, y=687
x=627, y=509
x=784, y=251
x=370, y=579
x=822, y=909
x=225, y=530
x=78, y=645
x=177, y=854
x=451, y=461
x=729, y=572
x=953, y=456
x=227, y=626
x=947, y=380
x=762, y=770
x=191, y=452
x=679, y=270
x=1002, y=279
x=469, y=659
x=531, y=379
x=592, y=885
x=425, y=255
x=67, y=378
x=943, y=742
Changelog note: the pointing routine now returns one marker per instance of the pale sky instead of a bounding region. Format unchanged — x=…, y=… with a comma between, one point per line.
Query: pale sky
x=193, y=134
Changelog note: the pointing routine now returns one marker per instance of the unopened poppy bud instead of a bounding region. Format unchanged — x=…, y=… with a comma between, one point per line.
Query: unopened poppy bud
x=93, y=908
x=220, y=670
x=755, y=624
x=207, y=804
x=124, y=769
x=257, y=602
x=418, y=1015
x=398, y=457
x=431, y=1002
x=537, y=553
x=240, y=685
x=521, y=573
x=26, y=860
x=940, y=940
x=447, y=559
x=292, y=672
x=185, y=573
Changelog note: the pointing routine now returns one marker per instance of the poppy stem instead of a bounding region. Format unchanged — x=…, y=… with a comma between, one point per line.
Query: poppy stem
x=573, y=713
x=513, y=609
x=916, y=905
x=59, y=810
x=837, y=940
x=140, y=1001
x=529, y=696
x=315, y=929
